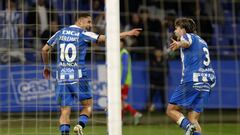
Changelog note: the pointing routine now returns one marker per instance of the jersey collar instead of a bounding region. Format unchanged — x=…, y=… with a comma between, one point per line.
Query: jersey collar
x=75, y=26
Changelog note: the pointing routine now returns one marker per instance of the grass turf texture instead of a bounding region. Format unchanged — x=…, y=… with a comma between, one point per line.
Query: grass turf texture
x=223, y=122
x=209, y=129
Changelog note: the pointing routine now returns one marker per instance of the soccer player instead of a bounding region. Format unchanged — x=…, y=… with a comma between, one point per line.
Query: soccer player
x=126, y=82
x=71, y=75
x=198, y=77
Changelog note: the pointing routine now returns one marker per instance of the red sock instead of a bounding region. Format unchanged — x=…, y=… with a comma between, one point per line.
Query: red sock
x=130, y=109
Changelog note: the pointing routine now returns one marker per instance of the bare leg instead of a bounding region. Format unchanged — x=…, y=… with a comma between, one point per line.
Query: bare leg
x=87, y=107
x=84, y=115
x=174, y=112
x=193, y=118
x=64, y=120
x=65, y=115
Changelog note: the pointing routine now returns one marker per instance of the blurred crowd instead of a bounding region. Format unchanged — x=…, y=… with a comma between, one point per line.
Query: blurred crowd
x=26, y=25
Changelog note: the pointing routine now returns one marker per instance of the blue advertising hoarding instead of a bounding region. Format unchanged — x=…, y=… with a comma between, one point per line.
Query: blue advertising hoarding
x=22, y=87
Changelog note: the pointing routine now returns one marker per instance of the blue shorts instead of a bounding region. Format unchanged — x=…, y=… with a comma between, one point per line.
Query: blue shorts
x=69, y=93
x=191, y=96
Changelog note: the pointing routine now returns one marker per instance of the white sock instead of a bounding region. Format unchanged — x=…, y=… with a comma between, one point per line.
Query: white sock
x=179, y=121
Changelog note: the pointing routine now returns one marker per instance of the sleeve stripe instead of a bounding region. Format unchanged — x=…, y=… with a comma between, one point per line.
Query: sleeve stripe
x=53, y=36
x=190, y=38
x=91, y=34
x=187, y=38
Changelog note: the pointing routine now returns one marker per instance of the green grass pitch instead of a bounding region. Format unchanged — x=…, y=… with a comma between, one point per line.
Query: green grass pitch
x=212, y=122
x=167, y=129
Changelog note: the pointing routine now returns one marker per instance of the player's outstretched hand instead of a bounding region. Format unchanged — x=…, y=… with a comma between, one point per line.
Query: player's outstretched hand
x=135, y=32
x=46, y=73
x=174, y=45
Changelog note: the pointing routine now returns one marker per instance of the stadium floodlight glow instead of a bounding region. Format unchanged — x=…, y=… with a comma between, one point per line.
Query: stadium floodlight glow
x=113, y=67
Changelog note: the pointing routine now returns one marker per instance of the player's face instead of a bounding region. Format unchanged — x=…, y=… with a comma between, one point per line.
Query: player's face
x=86, y=23
x=179, y=31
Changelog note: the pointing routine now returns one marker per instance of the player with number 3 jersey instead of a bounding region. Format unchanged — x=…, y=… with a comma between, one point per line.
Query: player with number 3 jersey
x=73, y=83
x=198, y=77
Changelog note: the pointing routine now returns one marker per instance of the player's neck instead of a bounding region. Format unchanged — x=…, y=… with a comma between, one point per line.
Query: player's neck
x=79, y=25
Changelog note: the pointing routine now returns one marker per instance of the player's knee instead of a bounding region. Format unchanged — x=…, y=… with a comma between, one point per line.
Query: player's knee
x=168, y=110
x=65, y=114
x=65, y=110
x=89, y=108
x=193, y=120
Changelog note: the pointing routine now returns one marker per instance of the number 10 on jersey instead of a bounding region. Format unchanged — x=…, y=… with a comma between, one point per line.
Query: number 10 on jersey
x=65, y=54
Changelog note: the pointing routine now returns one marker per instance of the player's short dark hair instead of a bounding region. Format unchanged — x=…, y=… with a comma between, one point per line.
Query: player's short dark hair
x=82, y=15
x=187, y=23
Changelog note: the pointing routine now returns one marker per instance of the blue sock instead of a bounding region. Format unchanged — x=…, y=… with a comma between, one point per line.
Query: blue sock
x=82, y=120
x=185, y=123
x=196, y=133
x=64, y=128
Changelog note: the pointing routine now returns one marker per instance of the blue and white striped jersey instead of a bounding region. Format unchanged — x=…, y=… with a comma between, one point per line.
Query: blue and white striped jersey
x=196, y=63
x=72, y=43
x=9, y=23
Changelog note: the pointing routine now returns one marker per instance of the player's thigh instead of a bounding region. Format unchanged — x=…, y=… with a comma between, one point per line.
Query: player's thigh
x=66, y=110
x=171, y=107
x=87, y=102
x=64, y=96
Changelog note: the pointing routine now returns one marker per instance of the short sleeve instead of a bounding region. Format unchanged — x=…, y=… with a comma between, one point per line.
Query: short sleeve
x=53, y=40
x=90, y=36
x=187, y=38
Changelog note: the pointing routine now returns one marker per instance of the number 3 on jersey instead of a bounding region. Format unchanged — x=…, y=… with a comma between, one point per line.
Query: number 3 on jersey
x=65, y=52
x=207, y=61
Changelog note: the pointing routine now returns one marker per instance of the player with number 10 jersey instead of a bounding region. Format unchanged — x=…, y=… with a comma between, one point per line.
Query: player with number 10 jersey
x=71, y=73
x=72, y=43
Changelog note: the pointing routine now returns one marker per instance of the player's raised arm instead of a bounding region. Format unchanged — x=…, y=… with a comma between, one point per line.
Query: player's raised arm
x=133, y=32
x=178, y=44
